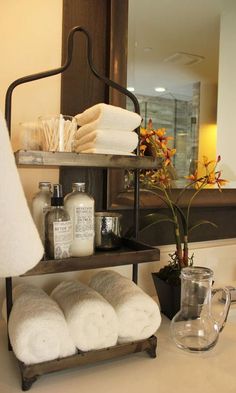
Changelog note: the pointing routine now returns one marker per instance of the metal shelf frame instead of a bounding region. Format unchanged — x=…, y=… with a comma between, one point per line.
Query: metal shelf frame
x=29, y=158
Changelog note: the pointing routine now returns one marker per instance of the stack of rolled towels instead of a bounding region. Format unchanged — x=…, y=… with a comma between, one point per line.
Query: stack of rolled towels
x=106, y=129
x=111, y=310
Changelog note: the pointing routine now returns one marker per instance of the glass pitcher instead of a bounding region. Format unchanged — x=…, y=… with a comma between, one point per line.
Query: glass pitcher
x=194, y=328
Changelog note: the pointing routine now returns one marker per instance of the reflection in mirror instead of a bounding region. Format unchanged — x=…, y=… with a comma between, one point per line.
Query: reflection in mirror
x=179, y=117
x=173, y=51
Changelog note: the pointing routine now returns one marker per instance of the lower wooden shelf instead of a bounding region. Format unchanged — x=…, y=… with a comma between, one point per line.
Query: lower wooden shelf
x=31, y=373
x=131, y=252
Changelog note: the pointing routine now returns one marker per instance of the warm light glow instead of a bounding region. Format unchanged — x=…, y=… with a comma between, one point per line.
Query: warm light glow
x=130, y=88
x=160, y=89
x=207, y=142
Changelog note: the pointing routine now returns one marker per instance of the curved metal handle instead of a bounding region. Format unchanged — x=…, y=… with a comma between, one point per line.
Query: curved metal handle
x=225, y=313
x=59, y=70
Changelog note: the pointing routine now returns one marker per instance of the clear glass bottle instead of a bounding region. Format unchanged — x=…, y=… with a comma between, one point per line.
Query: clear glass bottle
x=194, y=328
x=80, y=207
x=58, y=227
x=41, y=203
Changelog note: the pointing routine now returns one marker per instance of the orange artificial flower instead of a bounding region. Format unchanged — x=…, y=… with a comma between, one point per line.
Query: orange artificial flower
x=168, y=154
x=220, y=182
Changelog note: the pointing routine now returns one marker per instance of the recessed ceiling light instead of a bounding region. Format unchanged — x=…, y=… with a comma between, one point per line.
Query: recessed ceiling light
x=130, y=88
x=160, y=89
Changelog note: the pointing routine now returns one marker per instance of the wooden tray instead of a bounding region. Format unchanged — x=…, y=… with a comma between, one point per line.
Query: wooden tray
x=131, y=252
x=30, y=374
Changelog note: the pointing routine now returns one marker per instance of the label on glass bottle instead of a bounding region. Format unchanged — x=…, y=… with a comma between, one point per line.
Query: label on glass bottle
x=83, y=222
x=62, y=236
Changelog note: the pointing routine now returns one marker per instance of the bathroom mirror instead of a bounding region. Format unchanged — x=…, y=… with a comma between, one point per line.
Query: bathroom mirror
x=116, y=197
x=175, y=45
x=173, y=58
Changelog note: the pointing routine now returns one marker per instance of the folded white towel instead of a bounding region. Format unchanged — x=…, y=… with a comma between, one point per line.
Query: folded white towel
x=104, y=139
x=129, y=141
x=108, y=116
x=37, y=328
x=20, y=244
x=91, y=127
x=138, y=314
x=95, y=150
x=91, y=320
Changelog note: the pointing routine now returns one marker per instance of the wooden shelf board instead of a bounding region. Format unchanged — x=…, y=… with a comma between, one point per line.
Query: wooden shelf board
x=131, y=252
x=56, y=159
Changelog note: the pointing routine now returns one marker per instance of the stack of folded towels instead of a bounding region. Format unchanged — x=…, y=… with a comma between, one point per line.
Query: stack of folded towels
x=111, y=310
x=106, y=129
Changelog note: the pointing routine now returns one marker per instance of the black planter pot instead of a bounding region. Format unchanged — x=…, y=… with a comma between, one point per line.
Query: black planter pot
x=168, y=295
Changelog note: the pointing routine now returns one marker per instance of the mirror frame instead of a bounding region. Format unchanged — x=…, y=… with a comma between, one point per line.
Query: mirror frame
x=116, y=19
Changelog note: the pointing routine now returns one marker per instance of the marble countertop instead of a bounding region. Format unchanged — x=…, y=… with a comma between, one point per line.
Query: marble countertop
x=173, y=370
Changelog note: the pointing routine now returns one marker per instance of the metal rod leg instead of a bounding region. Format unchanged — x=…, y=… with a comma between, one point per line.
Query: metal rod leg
x=9, y=303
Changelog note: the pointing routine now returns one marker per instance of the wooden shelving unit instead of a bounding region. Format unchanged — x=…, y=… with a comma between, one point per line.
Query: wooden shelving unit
x=132, y=252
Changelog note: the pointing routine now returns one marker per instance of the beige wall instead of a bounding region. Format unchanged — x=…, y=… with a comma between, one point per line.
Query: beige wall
x=226, y=136
x=30, y=42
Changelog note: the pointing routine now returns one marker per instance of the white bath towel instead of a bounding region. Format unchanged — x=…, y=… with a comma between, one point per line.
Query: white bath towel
x=91, y=320
x=37, y=327
x=138, y=314
x=102, y=139
x=20, y=244
x=104, y=116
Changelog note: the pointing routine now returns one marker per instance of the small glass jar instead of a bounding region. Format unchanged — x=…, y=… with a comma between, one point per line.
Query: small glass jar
x=29, y=136
x=57, y=132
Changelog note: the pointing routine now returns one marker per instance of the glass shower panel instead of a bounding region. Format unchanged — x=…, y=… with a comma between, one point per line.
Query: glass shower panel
x=180, y=119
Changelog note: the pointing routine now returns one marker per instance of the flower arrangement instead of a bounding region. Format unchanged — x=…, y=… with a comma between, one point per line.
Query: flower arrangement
x=155, y=142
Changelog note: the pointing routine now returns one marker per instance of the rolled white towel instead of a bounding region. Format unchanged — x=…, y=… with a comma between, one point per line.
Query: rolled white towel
x=37, y=327
x=138, y=314
x=106, y=116
x=91, y=320
x=20, y=244
x=104, y=139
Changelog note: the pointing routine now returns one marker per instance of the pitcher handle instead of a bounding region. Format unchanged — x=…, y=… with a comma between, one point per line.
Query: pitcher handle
x=225, y=313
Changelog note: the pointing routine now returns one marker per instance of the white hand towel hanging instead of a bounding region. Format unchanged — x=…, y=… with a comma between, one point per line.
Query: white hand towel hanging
x=21, y=247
